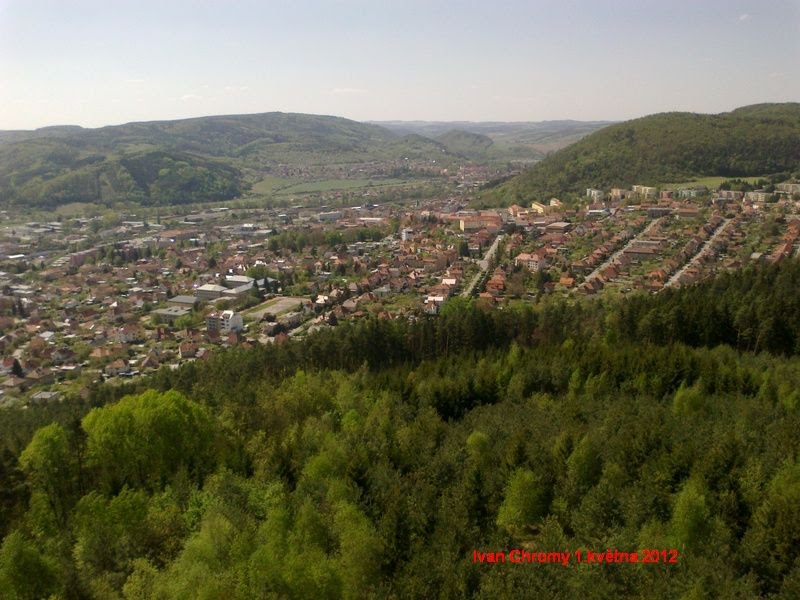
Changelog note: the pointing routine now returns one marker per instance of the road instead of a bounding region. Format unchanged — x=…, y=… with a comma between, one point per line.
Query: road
x=483, y=264
x=700, y=253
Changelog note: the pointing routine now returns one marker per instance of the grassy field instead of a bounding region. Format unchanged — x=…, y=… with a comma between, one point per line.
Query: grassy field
x=711, y=183
x=276, y=306
x=283, y=186
x=269, y=185
x=331, y=185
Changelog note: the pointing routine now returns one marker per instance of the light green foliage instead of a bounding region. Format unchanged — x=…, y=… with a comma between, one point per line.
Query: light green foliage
x=49, y=465
x=25, y=574
x=139, y=585
x=771, y=542
x=584, y=465
x=691, y=517
x=142, y=440
x=360, y=551
x=109, y=535
x=525, y=501
x=478, y=447
x=688, y=399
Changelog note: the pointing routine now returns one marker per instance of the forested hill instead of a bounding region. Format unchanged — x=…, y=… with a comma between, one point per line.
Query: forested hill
x=374, y=459
x=670, y=147
x=217, y=158
x=169, y=162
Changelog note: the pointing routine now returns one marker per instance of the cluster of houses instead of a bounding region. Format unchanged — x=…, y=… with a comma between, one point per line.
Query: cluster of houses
x=683, y=256
x=81, y=302
x=162, y=295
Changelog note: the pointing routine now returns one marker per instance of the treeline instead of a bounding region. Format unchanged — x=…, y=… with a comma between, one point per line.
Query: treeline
x=754, y=309
x=370, y=460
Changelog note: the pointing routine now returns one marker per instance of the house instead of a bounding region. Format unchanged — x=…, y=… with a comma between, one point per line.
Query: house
x=210, y=291
x=16, y=383
x=128, y=334
x=224, y=322
x=644, y=191
x=151, y=361
x=350, y=305
x=535, y=261
x=788, y=188
x=687, y=212
x=516, y=211
x=558, y=227
x=567, y=281
x=62, y=355
x=10, y=365
x=40, y=375
x=496, y=283
x=432, y=304
x=44, y=397
x=116, y=367
x=595, y=195
x=235, y=281
x=188, y=350
x=171, y=313
x=187, y=302
x=592, y=286
x=237, y=291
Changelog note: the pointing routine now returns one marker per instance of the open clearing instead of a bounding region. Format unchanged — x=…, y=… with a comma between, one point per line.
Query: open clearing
x=709, y=182
x=281, y=186
x=276, y=306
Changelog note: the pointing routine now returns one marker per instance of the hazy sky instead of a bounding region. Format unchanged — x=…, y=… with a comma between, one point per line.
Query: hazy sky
x=103, y=62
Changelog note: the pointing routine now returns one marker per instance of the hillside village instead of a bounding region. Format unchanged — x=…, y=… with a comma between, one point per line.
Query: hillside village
x=85, y=301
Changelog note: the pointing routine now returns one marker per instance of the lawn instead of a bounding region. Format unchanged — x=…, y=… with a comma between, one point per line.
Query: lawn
x=330, y=185
x=711, y=183
x=271, y=184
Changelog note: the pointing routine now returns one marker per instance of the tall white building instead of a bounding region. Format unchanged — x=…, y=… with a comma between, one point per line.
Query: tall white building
x=224, y=322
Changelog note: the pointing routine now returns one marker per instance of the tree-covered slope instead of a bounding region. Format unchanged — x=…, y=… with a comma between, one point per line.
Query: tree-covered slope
x=48, y=173
x=668, y=147
x=466, y=143
x=171, y=162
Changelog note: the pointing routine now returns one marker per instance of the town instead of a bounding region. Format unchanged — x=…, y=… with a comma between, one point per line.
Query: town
x=106, y=298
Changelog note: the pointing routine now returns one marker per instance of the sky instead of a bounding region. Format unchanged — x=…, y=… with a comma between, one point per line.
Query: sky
x=95, y=63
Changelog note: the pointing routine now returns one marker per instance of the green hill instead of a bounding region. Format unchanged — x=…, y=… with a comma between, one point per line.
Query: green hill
x=173, y=162
x=221, y=157
x=466, y=143
x=753, y=140
x=48, y=173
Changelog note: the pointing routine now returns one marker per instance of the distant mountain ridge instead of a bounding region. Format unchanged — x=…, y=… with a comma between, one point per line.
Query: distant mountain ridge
x=217, y=158
x=753, y=140
x=436, y=128
x=533, y=140
x=169, y=162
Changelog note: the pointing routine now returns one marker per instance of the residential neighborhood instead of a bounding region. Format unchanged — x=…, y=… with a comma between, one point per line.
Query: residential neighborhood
x=89, y=299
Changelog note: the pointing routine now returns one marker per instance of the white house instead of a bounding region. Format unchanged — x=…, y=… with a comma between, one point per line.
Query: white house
x=224, y=322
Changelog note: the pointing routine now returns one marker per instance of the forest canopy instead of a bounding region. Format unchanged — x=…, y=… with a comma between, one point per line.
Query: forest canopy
x=372, y=460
